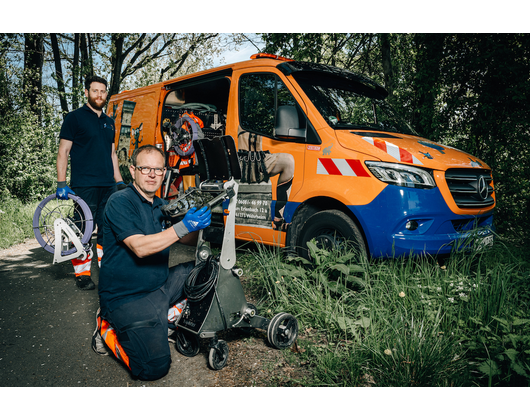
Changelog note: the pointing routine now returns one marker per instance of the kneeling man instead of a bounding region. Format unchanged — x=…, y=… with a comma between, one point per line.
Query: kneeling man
x=136, y=286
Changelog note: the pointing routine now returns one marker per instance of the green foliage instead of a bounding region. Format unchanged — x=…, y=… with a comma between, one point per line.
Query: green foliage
x=16, y=221
x=329, y=284
x=407, y=321
x=485, y=82
x=28, y=150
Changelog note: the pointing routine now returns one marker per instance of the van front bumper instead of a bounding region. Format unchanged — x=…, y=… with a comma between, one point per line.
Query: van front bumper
x=407, y=221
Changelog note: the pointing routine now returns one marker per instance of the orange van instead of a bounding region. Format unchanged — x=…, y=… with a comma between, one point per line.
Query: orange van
x=322, y=156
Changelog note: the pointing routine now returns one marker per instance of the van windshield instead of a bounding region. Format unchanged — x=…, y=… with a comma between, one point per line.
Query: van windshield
x=348, y=104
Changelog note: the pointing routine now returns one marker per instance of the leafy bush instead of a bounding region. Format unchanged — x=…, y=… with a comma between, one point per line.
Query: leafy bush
x=28, y=149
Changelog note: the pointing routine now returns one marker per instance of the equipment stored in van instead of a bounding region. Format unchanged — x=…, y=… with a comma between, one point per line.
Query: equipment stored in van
x=323, y=157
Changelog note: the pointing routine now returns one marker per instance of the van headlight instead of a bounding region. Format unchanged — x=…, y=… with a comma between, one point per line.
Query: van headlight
x=401, y=175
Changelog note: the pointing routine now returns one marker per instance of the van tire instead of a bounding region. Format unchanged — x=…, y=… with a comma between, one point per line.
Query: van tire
x=330, y=228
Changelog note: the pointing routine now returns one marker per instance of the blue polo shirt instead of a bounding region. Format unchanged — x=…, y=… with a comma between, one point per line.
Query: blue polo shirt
x=90, y=156
x=123, y=276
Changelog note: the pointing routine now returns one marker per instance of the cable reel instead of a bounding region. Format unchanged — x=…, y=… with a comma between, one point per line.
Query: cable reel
x=182, y=139
x=64, y=227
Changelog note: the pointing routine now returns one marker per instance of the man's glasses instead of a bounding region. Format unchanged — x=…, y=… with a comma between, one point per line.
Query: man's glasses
x=147, y=171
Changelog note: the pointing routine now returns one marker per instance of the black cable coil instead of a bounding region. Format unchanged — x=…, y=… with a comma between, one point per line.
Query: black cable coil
x=201, y=279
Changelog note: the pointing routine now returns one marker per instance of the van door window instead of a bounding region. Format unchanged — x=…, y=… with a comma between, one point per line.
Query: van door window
x=260, y=95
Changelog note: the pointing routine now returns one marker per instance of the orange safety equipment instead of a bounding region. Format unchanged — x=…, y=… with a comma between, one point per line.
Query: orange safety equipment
x=108, y=333
x=100, y=254
x=82, y=267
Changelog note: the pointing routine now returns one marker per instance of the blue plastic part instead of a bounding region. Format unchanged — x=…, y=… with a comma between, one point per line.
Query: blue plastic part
x=384, y=222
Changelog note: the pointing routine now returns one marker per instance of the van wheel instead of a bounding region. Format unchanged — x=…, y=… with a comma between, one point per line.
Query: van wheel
x=330, y=229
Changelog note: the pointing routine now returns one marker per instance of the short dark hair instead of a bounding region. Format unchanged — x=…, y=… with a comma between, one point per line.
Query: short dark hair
x=93, y=78
x=148, y=148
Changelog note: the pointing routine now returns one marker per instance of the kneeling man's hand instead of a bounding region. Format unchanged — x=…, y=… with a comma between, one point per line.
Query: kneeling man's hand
x=193, y=220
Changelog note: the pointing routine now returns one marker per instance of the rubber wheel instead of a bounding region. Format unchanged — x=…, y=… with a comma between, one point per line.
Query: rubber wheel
x=330, y=229
x=218, y=358
x=187, y=343
x=282, y=331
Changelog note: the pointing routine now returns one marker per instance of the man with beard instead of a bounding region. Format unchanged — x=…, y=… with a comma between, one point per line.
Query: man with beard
x=87, y=137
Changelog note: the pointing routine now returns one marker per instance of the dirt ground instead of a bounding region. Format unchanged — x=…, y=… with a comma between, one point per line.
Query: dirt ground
x=46, y=326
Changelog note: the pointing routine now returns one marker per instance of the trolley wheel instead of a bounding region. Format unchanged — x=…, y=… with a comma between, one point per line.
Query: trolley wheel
x=218, y=356
x=282, y=331
x=187, y=343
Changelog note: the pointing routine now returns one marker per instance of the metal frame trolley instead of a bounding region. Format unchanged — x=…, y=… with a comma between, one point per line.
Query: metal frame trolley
x=215, y=298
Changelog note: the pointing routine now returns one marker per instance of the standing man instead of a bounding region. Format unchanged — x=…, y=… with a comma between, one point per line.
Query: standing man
x=136, y=285
x=87, y=137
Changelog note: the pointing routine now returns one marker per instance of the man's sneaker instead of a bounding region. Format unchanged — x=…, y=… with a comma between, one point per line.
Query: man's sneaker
x=85, y=283
x=98, y=345
x=171, y=335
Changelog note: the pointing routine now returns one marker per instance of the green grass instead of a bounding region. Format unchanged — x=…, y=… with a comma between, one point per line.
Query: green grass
x=406, y=321
x=16, y=221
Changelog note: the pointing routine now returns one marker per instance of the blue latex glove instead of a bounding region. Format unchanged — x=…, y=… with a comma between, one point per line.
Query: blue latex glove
x=197, y=219
x=63, y=190
x=121, y=185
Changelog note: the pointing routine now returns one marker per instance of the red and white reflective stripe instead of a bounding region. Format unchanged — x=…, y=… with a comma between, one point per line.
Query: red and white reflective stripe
x=396, y=152
x=343, y=167
x=100, y=254
x=82, y=267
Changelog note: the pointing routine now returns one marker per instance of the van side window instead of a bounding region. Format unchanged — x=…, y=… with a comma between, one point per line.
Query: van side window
x=260, y=95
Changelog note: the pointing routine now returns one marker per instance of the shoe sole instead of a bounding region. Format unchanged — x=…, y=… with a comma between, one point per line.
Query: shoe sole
x=94, y=338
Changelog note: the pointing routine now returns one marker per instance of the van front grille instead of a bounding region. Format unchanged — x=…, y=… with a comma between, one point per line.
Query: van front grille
x=470, y=188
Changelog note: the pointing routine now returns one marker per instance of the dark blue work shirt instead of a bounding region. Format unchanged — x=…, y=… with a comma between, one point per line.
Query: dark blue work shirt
x=90, y=156
x=123, y=276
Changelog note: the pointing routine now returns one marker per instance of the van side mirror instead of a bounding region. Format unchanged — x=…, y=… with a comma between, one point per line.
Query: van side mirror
x=288, y=123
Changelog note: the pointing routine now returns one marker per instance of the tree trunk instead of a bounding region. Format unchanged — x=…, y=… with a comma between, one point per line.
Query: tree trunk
x=75, y=73
x=429, y=52
x=116, y=61
x=59, y=73
x=387, y=64
x=87, y=68
x=33, y=61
